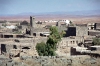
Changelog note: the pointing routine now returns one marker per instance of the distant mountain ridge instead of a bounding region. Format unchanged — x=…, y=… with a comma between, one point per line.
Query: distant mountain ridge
x=81, y=13
x=53, y=14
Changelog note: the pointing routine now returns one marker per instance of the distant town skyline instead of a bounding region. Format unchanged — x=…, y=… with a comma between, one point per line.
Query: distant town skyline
x=42, y=6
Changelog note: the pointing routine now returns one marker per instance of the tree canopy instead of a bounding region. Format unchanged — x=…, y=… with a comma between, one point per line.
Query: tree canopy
x=50, y=47
x=40, y=47
x=96, y=41
x=54, y=37
x=24, y=23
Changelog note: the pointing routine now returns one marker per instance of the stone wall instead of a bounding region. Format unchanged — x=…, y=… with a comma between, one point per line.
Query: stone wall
x=12, y=39
x=8, y=48
x=97, y=25
x=71, y=31
x=91, y=26
x=94, y=33
x=20, y=44
x=78, y=30
x=32, y=21
x=64, y=46
x=81, y=30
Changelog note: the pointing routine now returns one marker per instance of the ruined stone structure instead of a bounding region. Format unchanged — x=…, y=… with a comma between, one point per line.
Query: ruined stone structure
x=32, y=22
x=78, y=30
x=64, y=47
x=81, y=30
x=91, y=26
x=10, y=35
x=93, y=29
x=35, y=31
x=24, y=46
x=32, y=25
x=13, y=45
x=98, y=26
x=9, y=44
x=71, y=31
x=94, y=32
x=58, y=23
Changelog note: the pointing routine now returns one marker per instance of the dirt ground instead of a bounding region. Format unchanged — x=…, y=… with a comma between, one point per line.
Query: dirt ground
x=74, y=19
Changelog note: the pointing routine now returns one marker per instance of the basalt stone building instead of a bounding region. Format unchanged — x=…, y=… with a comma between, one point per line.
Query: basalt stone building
x=98, y=26
x=35, y=30
x=32, y=24
x=78, y=30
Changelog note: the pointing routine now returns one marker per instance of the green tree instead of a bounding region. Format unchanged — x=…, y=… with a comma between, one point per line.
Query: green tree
x=4, y=25
x=40, y=47
x=52, y=41
x=24, y=23
x=63, y=33
x=54, y=37
x=50, y=47
x=96, y=41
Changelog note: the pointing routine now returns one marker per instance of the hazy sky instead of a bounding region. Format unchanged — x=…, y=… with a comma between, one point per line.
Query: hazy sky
x=42, y=6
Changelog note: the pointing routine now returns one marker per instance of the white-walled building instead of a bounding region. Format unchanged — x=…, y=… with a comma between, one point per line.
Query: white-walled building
x=65, y=21
x=11, y=27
